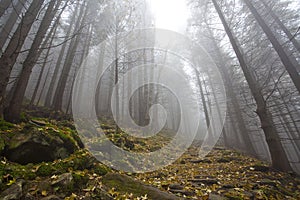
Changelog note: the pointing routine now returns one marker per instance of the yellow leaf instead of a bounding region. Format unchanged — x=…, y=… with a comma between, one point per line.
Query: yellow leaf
x=11, y=182
x=44, y=193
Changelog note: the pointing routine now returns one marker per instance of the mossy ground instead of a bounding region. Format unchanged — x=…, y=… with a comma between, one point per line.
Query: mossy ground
x=234, y=175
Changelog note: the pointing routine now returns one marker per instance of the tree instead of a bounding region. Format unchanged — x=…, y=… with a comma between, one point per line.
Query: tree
x=288, y=64
x=8, y=26
x=60, y=89
x=282, y=26
x=9, y=56
x=278, y=155
x=4, y=5
x=59, y=61
x=12, y=113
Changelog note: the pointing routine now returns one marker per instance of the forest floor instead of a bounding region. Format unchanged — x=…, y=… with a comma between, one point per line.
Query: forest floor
x=222, y=174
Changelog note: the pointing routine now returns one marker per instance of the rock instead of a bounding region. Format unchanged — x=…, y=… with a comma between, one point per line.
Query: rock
x=183, y=192
x=260, y=168
x=201, y=161
x=204, y=181
x=129, y=144
x=35, y=146
x=98, y=193
x=51, y=197
x=63, y=180
x=2, y=145
x=125, y=183
x=216, y=197
x=267, y=182
x=219, y=148
x=228, y=186
x=224, y=160
x=28, y=196
x=14, y=191
x=38, y=122
x=176, y=187
x=249, y=195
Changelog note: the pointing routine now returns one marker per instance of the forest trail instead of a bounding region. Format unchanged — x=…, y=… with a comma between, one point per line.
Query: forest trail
x=222, y=174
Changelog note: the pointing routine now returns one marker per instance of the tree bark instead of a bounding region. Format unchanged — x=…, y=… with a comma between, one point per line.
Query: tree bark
x=51, y=33
x=7, y=28
x=12, y=113
x=278, y=155
x=46, y=42
x=61, y=86
x=282, y=26
x=51, y=88
x=236, y=106
x=9, y=57
x=4, y=4
x=288, y=64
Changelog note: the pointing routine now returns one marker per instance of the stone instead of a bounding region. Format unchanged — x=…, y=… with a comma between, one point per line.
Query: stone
x=125, y=183
x=204, y=181
x=63, y=180
x=38, y=122
x=36, y=146
x=14, y=191
x=216, y=197
x=29, y=196
x=176, y=187
x=219, y=148
x=267, y=182
x=228, y=186
x=260, y=168
x=183, y=192
x=51, y=197
x=201, y=161
x=224, y=160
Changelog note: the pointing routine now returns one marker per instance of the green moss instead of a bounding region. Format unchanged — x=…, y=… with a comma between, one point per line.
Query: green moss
x=80, y=179
x=4, y=125
x=45, y=170
x=117, y=181
x=24, y=117
x=100, y=169
x=2, y=144
x=233, y=197
x=125, y=185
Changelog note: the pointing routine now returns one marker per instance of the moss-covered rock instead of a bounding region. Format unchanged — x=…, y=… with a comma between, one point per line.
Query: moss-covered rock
x=125, y=184
x=45, y=170
x=33, y=143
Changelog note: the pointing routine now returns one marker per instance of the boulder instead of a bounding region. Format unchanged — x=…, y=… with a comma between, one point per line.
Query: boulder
x=176, y=187
x=63, y=180
x=15, y=191
x=123, y=183
x=35, y=146
x=51, y=197
x=183, y=192
x=204, y=181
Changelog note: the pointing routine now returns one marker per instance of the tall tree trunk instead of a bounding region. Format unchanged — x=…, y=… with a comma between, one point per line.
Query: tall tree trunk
x=288, y=64
x=12, y=113
x=51, y=88
x=9, y=57
x=43, y=87
x=84, y=54
x=278, y=155
x=46, y=42
x=42, y=70
x=61, y=86
x=282, y=26
x=7, y=28
x=236, y=106
x=4, y=4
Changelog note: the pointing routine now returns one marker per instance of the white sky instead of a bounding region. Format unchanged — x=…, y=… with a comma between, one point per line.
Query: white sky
x=170, y=14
